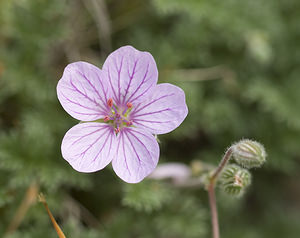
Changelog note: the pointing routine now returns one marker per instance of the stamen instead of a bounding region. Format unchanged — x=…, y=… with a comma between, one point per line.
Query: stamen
x=129, y=123
x=118, y=118
x=114, y=108
x=117, y=130
x=110, y=102
x=106, y=118
x=129, y=105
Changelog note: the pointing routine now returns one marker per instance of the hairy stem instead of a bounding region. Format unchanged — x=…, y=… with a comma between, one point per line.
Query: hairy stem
x=213, y=211
x=59, y=232
x=211, y=193
x=222, y=164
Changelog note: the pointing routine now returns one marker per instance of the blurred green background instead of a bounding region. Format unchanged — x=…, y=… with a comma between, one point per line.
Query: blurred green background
x=238, y=62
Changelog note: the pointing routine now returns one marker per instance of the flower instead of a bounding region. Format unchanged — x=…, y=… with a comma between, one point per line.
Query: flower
x=120, y=108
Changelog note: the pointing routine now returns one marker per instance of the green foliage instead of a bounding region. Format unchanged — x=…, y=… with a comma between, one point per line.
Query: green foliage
x=147, y=195
x=238, y=62
x=177, y=218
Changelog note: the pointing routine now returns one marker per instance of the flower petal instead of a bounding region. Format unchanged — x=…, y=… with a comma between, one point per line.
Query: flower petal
x=89, y=147
x=82, y=91
x=163, y=111
x=131, y=74
x=137, y=154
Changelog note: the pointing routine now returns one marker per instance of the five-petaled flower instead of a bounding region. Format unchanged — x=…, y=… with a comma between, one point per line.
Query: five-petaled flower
x=121, y=107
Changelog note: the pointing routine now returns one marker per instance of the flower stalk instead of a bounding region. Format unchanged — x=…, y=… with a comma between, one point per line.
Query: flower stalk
x=211, y=193
x=213, y=211
x=55, y=225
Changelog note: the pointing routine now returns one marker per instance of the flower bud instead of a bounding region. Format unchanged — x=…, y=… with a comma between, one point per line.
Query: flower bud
x=249, y=154
x=235, y=179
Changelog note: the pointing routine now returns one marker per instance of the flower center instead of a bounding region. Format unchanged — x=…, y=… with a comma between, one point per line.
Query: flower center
x=118, y=117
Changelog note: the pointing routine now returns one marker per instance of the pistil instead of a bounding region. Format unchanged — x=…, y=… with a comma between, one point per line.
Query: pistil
x=118, y=117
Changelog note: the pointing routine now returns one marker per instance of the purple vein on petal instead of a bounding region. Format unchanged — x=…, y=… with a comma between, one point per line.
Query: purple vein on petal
x=105, y=92
x=143, y=81
x=141, y=94
x=86, y=96
x=133, y=147
x=93, y=86
x=157, y=99
x=84, y=90
x=78, y=104
x=91, y=145
x=130, y=79
x=118, y=146
x=119, y=76
x=150, y=113
x=160, y=122
x=138, y=132
x=139, y=142
x=109, y=77
x=101, y=149
x=150, y=128
x=121, y=136
x=81, y=137
x=83, y=113
x=111, y=136
x=125, y=158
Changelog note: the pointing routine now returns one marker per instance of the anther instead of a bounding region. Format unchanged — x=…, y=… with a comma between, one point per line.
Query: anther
x=110, y=102
x=129, y=105
x=106, y=118
x=117, y=130
x=129, y=123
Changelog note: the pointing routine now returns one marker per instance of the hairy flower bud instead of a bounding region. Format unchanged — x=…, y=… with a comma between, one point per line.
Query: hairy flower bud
x=235, y=179
x=249, y=154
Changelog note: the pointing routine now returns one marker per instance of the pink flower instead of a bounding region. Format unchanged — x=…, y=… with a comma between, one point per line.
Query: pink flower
x=121, y=107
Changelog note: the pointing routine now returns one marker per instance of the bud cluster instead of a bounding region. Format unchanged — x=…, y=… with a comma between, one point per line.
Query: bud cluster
x=235, y=179
x=247, y=154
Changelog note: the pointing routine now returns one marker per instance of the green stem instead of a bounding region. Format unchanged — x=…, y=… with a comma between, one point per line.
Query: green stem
x=213, y=211
x=211, y=193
